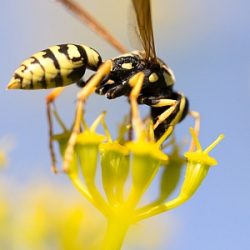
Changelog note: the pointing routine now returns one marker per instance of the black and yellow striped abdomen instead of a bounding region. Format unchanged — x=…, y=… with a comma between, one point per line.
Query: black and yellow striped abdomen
x=56, y=66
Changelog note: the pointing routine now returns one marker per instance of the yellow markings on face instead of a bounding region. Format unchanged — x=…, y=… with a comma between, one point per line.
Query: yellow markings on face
x=153, y=77
x=127, y=66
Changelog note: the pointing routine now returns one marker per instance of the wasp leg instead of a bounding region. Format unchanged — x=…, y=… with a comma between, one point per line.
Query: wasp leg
x=178, y=110
x=49, y=101
x=168, y=107
x=106, y=87
x=81, y=83
x=162, y=117
x=102, y=90
x=156, y=102
x=119, y=90
x=197, y=120
x=82, y=96
x=136, y=82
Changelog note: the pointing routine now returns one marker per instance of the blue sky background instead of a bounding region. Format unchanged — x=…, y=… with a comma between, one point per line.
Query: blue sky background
x=206, y=43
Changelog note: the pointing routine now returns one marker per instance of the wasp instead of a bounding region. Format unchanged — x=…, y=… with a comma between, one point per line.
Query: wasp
x=140, y=75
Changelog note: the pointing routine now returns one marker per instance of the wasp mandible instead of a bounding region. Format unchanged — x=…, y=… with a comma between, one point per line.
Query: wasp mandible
x=64, y=64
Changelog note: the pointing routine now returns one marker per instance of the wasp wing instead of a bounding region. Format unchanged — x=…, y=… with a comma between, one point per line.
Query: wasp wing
x=145, y=27
x=93, y=24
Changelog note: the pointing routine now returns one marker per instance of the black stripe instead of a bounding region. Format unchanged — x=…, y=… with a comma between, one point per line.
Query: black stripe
x=35, y=60
x=99, y=60
x=76, y=74
x=83, y=54
x=58, y=80
x=64, y=49
x=25, y=67
x=20, y=78
x=50, y=54
x=43, y=81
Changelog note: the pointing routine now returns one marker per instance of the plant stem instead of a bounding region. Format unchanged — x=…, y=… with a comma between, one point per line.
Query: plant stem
x=115, y=234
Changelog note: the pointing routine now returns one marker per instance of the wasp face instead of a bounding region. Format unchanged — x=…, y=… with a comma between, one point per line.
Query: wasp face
x=116, y=83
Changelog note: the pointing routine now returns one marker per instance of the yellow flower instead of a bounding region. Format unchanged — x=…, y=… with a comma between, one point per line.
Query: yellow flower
x=133, y=162
x=2, y=158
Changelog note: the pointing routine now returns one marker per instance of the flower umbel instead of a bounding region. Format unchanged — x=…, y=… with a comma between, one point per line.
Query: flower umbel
x=134, y=162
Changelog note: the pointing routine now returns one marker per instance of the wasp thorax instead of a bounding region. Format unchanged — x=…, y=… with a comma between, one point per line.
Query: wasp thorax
x=126, y=62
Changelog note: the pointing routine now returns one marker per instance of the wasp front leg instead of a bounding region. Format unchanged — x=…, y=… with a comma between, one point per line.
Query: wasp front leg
x=113, y=89
x=135, y=83
x=82, y=96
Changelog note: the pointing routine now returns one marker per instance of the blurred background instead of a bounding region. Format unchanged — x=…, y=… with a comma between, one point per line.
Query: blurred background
x=206, y=43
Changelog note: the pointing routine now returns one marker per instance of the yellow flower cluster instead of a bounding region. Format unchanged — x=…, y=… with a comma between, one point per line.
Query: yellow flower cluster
x=133, y=163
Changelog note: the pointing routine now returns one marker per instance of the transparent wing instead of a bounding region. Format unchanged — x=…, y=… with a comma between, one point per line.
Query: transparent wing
x=92, y=23
x=145, y=27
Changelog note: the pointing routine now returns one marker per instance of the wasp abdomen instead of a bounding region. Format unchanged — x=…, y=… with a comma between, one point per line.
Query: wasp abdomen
x=56, y=66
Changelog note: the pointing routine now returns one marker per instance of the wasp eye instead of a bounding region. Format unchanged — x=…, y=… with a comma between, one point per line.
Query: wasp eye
x=127, y=65
x=153, y=77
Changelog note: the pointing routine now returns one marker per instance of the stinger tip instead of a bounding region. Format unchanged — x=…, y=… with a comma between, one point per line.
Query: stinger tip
x=14, y=84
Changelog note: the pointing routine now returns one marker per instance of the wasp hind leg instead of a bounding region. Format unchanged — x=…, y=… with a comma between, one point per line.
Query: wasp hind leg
x=167, y=112
x=156, y=102
x=163, y=116
x=50, y=99
x=82, y=96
